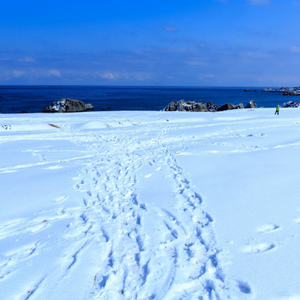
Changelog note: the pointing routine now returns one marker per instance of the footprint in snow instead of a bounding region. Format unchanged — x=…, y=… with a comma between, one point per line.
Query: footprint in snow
x=259, y=248
x=268, y=228
x=244, y=287
x=61, y=198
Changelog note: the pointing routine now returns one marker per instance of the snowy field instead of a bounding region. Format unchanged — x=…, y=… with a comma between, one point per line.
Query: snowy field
x=150, y=205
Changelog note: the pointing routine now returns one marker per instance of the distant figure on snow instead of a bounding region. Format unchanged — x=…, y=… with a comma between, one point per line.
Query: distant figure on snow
x=277, y=110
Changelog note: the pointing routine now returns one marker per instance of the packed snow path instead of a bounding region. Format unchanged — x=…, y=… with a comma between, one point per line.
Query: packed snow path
x=131, y=205
x=150, y=252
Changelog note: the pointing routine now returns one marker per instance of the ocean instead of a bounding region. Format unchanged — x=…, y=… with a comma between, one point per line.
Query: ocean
x=33, y=99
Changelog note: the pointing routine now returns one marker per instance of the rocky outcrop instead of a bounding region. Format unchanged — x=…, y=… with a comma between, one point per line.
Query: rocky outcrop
x=290, y=91
x=226, y=106
x=239, y=106
x=250, y=90
x=68, y=105
x=291, y=104
x=204, y=107
x=171, y=106
x=89, y=106
x=211, y=107
x=251, y=104
x=188, y=106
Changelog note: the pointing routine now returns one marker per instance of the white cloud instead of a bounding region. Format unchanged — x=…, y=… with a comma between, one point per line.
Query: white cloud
x=295, y=49
x=55, y=73
x=196, y=63
x=108, y=75
x=34, y=73
x=170, y=27
x=257, y=2
x=18, y=73
x=201, y=45
x=206, y=76
x=27, y=59
x=127, y=76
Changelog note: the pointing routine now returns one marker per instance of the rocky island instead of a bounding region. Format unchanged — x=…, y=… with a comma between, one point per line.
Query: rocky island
x=290, y=91
x=68, y=105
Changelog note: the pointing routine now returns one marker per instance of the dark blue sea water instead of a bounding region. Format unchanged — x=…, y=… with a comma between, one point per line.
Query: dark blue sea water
x=32, y=99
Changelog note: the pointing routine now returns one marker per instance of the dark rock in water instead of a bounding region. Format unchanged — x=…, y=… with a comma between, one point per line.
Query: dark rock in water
x=251, y=104
x=104, y=109
x=171, y=106
x=89, y=106
x=226, y=106
x=68, y=105
x=239, y=106
x=186, y=106
x=200, y=107
x=211, y=107
x=291, y=104
x=204, y=107
x=291, y=93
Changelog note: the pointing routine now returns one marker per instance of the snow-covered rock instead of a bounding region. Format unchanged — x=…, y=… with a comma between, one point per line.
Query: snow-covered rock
x=68, y=105
x=200, y=106
x=183, y=105
x=251, y=104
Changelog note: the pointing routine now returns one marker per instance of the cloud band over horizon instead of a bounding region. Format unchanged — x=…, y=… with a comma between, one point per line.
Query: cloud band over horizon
x=228, y=43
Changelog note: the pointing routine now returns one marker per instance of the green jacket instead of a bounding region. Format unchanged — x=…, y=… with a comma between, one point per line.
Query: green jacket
x=277, y=108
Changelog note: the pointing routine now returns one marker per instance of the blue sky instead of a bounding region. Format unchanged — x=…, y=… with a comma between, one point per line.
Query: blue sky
x=150, y=42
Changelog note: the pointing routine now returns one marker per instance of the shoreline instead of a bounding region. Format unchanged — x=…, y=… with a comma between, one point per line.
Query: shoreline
x=26, y=100
x=136, y=111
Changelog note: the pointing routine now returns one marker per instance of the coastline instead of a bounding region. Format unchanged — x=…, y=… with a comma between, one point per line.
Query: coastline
x=36, y=99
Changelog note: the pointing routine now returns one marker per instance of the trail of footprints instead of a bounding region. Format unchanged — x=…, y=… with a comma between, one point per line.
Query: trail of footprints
x=112, y=209
x=199, y=253
x=134, y=265
x=131, y=265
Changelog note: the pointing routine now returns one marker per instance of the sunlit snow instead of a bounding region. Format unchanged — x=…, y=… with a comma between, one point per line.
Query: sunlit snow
x=150, y=205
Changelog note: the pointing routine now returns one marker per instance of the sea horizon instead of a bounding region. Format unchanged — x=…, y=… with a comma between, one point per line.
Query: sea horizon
x=34, y=98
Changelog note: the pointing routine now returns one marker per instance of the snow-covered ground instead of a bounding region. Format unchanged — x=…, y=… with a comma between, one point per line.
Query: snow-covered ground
x=150, y=205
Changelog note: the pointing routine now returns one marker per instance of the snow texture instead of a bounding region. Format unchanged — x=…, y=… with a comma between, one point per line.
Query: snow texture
x=150, y=205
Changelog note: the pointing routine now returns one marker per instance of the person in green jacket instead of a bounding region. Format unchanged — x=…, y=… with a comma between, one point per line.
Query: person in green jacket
x=277, y=110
